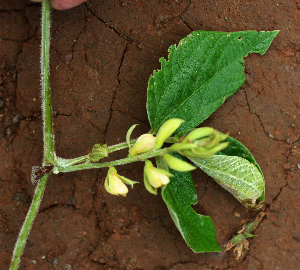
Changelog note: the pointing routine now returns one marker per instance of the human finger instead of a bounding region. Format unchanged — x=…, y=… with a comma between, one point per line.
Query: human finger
x=65, y=4
x=62, y=4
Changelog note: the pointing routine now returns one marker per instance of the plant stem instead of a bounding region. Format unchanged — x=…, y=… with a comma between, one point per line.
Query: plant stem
x=20, y=244
x=120, y=146
x=89, y=165
x=64, y=163
x=49, y=153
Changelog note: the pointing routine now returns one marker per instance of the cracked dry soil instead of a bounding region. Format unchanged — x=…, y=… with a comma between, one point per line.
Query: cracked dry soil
x=102, y=55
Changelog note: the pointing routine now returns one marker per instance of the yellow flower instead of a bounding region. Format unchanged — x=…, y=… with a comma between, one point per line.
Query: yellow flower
x=154, y=177
x=115, y=183
x=144, y=144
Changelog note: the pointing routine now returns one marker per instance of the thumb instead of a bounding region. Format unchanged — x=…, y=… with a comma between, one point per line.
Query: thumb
x=62, y=4
x=65, y=4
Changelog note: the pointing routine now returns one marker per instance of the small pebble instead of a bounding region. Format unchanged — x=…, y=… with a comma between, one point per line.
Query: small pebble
x=8, y=132
x=1, y=103
x=54, y=262
x=16, y=119
x=141, y=45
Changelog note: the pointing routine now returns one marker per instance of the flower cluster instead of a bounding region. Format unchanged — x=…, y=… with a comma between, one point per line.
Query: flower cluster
x=199, y=143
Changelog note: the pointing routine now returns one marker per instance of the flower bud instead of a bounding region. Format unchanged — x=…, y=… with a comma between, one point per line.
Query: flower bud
x=155, y=177
x=178, y=164
x=98, y=152
x=201, y=143
x=203, y=152
x=115, y=184
x=166, y=130
x=144, y=144
x=197, y=134
x=181, y=146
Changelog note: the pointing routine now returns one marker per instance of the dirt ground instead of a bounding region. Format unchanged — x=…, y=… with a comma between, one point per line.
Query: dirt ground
x=102, y=55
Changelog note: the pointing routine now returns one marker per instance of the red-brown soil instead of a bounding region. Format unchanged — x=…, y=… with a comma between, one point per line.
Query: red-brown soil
x=102, y=54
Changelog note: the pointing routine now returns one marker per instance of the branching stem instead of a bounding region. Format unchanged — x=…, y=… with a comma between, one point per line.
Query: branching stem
x=49, y=154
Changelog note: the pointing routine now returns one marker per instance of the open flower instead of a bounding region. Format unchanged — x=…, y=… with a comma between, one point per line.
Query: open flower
x=154, y=177
x=115, y=183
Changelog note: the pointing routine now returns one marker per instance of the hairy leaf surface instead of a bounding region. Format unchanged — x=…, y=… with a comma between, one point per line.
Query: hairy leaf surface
x=201, y=72
x=236, y=148
x=237, y=175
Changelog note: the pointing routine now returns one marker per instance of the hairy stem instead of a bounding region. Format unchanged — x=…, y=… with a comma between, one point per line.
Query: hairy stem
x=120, y=146
x=64, y=163
x=49, y=154
x=90, y=165
x=20, y=244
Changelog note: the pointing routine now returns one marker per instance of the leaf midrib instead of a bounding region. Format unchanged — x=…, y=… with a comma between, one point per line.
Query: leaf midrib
x=174, y=76
x=194, y=93
x=187, y=99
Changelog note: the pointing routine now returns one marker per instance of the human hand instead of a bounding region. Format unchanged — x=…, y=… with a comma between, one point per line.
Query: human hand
x=62, y=4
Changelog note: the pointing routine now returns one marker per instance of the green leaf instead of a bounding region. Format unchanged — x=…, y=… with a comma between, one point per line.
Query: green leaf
x=237, y=175
x=198, y=231
x=236, y=148
x=201, y=72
